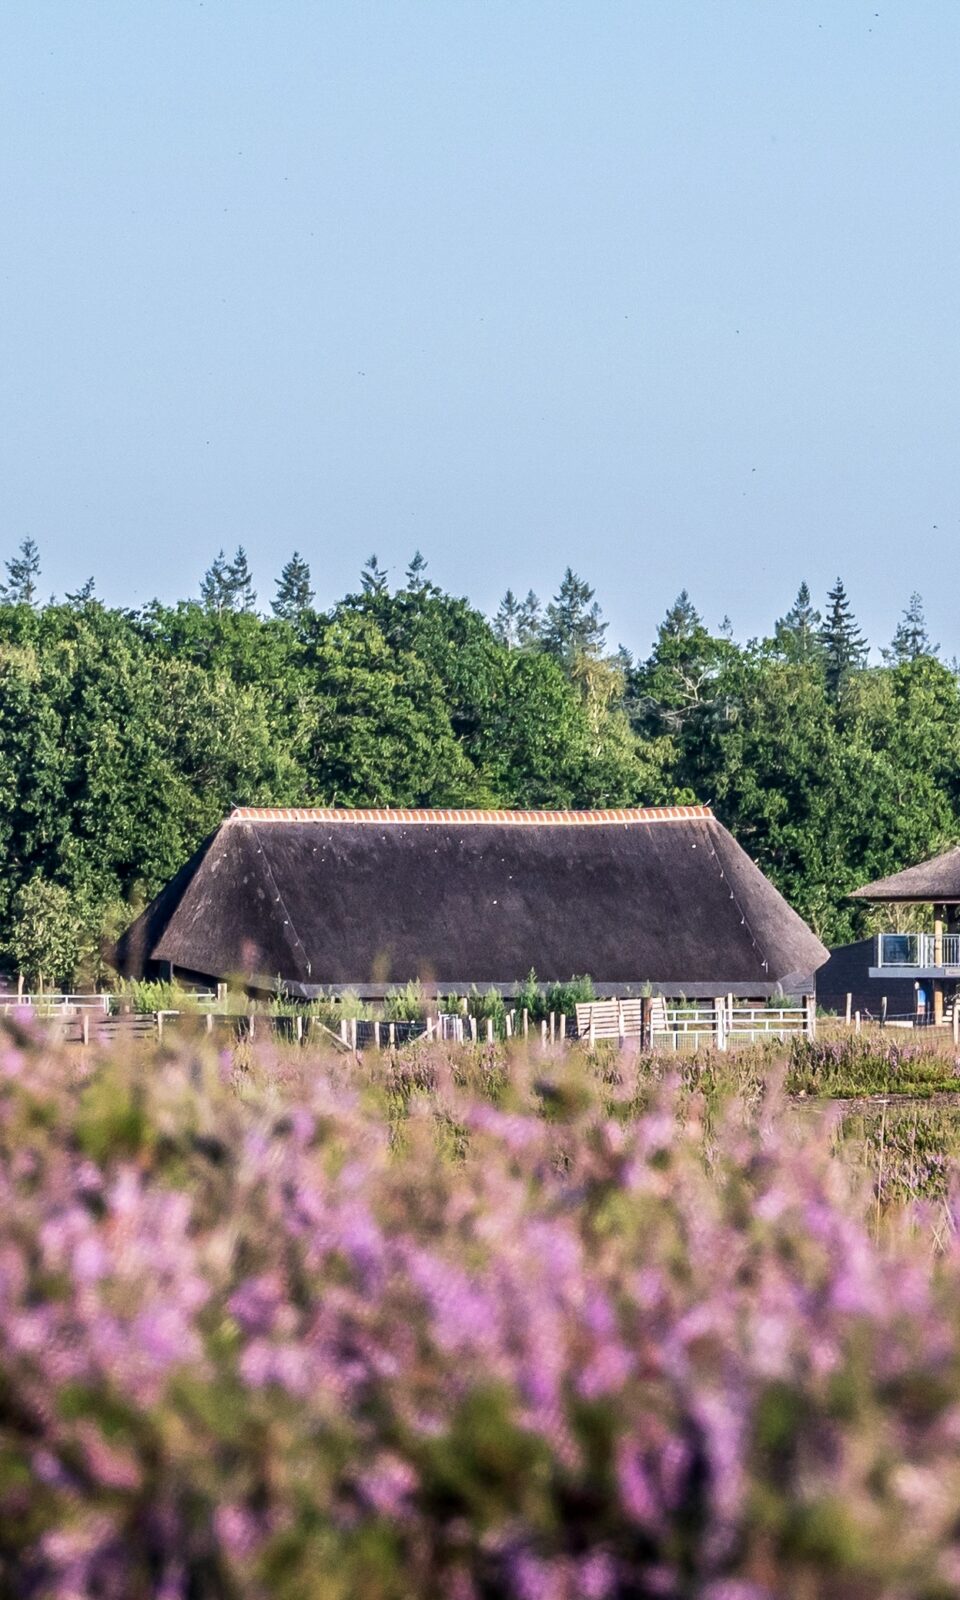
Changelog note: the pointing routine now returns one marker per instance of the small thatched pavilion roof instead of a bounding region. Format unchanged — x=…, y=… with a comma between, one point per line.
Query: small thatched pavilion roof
x=933, y=882
x=327, y=900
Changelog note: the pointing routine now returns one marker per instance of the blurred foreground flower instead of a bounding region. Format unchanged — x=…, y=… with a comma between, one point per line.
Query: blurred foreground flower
x=455, y=1331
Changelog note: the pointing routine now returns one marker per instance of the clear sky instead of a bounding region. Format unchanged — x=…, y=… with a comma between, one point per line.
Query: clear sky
x=666, y=291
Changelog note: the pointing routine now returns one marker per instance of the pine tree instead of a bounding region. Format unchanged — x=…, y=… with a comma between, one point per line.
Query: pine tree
x=573, y=627
x=506, y=623
x=294, y=594
x=373, y=578
x=81, y=596
x=416, y=582
x=22, y=574
x=682, y=621
x=529, y=623
x=845, y=647
x=798, y=634
x=227, y=585
x=215, y=591
x=243, y=594
x=911, y=639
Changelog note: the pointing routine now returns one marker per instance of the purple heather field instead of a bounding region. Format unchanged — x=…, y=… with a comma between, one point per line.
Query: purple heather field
x=479, y=1324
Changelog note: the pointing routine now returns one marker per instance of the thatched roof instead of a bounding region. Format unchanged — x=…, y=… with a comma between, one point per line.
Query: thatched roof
x=936, y=881
x=328, y=899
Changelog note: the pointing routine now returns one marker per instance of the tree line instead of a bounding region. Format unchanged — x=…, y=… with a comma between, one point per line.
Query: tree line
x=126, y=735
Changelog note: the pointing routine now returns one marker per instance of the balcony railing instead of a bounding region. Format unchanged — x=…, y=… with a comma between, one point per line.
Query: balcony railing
x=918, y=950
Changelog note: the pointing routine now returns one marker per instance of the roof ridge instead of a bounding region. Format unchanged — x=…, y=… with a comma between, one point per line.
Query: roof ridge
x=468, y=815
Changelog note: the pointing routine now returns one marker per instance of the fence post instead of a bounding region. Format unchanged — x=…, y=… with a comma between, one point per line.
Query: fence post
x=719, y=1022
x=343, y=1029
x=392, y=1035
x=646, y=1022
x=378, y=1045
x=353, y=1033
x=298, y=1028
x=593, y=1029
x=849, y=1006
x=810, y=1020
x=543, y=1034
x=209, y=1021
x=883, y=1011
x=489, y=1030
x=620, y=1026
x=856, y=1021
x=508, y=1024
x=159, y=1024
x=253, y=1025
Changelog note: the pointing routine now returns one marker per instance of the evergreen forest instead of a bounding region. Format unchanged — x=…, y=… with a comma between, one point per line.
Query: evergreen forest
x=125, y=736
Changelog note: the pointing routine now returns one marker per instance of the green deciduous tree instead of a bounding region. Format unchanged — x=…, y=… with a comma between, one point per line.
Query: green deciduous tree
x=43, y=939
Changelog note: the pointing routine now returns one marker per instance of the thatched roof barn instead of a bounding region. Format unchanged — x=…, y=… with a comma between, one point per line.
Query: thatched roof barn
x=933, y=882
x=319, y=901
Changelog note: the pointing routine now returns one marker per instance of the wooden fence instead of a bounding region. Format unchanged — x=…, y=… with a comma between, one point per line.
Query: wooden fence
x=651, y=1022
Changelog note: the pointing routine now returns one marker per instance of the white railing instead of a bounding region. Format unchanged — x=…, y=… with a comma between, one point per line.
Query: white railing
x=49, y=1005
x=918, y=950
x=692, y=1026
x=56, y=1004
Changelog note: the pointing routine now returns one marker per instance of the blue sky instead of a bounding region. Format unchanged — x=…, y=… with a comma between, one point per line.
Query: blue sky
x=662, y=291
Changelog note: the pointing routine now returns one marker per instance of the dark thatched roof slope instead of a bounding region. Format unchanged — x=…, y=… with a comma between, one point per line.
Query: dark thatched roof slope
x=328, y=899
x=933, y=881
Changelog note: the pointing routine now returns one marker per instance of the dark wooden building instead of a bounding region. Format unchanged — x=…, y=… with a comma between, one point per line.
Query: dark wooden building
x=928, y=958
x=320, y=901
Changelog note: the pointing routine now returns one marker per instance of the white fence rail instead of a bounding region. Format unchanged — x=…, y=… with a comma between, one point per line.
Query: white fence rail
x=716, y=1023
x=56, y=1004
x=50, y=1005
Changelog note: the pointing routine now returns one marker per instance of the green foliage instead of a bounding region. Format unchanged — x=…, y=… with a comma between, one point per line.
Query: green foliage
x=227, y=585
x=23, y=570
x=844, y=647
x=146, y=997
x=911, y=639
x=405, y=1005
x=294, y=595
x=562, y=998
x=797, y=635
x=43, y=939
x=125, y=737
x=573, y=627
